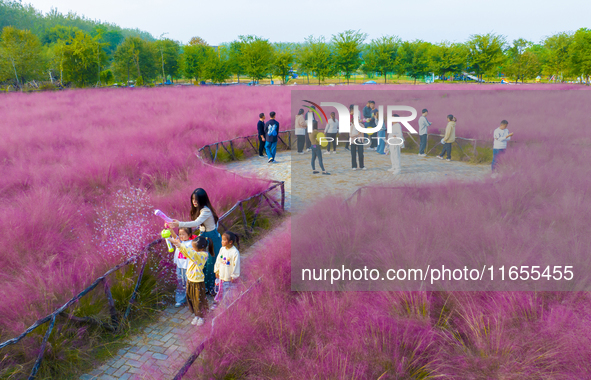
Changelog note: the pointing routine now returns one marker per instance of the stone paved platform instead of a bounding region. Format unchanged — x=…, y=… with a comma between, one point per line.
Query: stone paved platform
x=301, y=185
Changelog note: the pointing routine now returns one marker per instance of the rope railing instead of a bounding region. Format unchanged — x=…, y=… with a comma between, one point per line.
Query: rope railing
x=116, y=322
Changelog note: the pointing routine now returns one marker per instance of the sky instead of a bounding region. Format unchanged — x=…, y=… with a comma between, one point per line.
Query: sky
x=282, y=21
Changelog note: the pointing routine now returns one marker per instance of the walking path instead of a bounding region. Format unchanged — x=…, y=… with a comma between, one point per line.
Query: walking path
x=161, y=348
x=301, y=185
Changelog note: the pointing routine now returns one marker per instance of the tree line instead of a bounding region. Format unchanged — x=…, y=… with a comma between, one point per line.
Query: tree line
x=102, y=55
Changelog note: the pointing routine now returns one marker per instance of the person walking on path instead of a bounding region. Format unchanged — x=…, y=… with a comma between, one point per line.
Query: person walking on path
x=501, y=136
x=198, y=253
x=449, y=138
x=423, y=132
x=316, y=149
x=300, y=130
x=205, y=218
x=271, y=137
x=396, y=140
x=356, y=145
x=261, y=133
x=331, y=131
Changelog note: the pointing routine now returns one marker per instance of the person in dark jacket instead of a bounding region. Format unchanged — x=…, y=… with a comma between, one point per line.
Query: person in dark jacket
x=271, y=137
x=261, y=134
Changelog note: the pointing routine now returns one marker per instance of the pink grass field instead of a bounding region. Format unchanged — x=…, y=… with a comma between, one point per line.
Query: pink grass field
x=535, y=212
x=66, y=155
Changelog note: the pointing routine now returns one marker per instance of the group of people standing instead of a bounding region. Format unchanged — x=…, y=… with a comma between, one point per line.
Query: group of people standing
x=361, y=141
x=208, y=262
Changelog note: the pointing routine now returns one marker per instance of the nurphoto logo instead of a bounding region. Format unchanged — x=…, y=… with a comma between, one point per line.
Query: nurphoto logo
x=343, y=112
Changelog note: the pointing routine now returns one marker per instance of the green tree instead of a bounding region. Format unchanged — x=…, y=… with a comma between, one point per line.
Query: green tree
x=542, y=54
x=558, y=47
x=59, y=32
x=580, y=54
x=347, y=51
x=235, y=61
x=516, y=61
x=447, y=58
x=110, y=37
x=217, y=67
x=414, y=59
x=381, y=56
x=256, y=56
x=192, y=60
x=169, y=52
x=316, y=57
x=485, y=53
x=20, y=55
x=284, y=58
x=80, y=60
x=134, y=58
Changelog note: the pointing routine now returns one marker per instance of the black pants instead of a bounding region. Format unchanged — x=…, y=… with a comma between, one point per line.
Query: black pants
x=356, y=150
x=261, y=146
x=446, y=148
x=301, y=142
x=308, y=142
x=333, y=142
x=317, y=152
x=345, y=136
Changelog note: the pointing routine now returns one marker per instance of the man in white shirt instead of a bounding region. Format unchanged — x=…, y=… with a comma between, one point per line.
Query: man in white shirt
x=501, y=136
x=423, y=132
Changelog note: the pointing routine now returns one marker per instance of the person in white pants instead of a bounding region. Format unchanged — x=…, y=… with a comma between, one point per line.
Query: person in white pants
x=395, y=137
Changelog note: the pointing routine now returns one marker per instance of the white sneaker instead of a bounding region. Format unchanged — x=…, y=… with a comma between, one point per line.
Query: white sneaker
x=300, y=152
x=354, y=169
x=195, y=320
x=447, y=159
x=270, y=160
x=177, y=304
x=200, y=322
x=364, y=168
x=441, y=158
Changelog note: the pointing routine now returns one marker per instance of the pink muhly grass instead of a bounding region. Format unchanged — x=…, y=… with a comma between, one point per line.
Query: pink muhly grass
x=66, y=155
x=535, y=213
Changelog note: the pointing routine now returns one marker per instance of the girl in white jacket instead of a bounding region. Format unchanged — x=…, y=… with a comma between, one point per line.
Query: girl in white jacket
x=227, y=265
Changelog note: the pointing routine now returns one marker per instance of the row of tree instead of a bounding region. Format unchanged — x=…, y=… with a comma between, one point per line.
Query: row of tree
x=24, y=16
x=82, y=58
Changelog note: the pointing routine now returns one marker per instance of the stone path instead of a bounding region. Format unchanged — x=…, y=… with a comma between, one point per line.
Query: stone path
x=301, y=185
x=161, y=348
